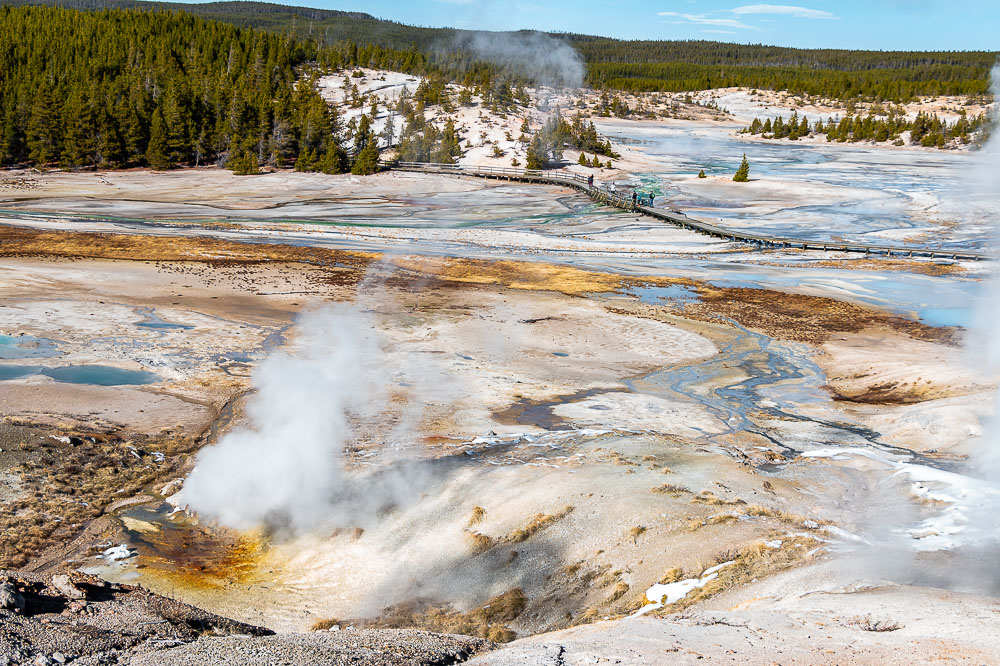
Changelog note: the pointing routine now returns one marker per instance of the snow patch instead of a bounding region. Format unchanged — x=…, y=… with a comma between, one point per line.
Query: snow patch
x=116, y=553
x=670, y=593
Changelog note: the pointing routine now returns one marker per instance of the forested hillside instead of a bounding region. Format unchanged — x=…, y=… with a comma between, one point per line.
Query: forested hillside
x=616, y=64
x=118, y=88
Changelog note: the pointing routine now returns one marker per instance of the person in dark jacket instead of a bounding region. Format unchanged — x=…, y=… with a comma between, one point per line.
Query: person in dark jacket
x=635, y=198
x=651, y=195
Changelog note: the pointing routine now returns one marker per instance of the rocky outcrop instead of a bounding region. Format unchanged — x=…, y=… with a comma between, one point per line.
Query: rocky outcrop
x=80, y=619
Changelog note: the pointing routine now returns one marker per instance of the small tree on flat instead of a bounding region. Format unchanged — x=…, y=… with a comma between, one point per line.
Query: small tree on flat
x=243, y=163
x=583, y=161
x=743, y=173
x=701, y=174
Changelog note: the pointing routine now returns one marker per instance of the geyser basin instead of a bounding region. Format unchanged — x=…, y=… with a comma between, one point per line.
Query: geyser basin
x=100, y=375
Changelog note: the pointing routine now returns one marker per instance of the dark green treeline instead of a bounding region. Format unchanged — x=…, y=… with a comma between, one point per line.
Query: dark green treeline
x=612, y=64
x=118, y=89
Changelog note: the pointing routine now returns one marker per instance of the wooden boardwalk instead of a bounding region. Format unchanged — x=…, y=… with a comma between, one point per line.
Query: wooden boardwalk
x=677, y=218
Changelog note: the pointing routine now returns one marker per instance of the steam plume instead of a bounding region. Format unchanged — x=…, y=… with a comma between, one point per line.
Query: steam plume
x=545, y=59
x=986, y=336
x=286, y=468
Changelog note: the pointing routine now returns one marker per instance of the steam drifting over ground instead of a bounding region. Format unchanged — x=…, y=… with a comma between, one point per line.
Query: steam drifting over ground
x=544, y=58
x=985, y=340
x=286, y=469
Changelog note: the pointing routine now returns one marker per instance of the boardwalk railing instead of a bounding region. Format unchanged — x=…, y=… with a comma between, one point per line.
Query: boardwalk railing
x=618, y=200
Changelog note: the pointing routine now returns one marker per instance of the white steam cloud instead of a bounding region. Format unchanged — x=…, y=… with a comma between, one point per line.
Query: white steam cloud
x=547, y=60
x=286, y=468
x=985, y=338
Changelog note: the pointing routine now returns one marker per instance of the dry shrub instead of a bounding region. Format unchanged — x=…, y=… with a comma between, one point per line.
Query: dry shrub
x=711, y=499
x=753, y=510
x=481, y=542
x=572, y=569
x=478, y=513
x=617, y=458
x=67, y=486
x=868, y=623
x=670, y=489
x=672, y=576
x=755, y=561
x=722, y=519
x=636, y=532
x=489, y=621
x=324, y=624
x=538, y=523
x=620, y=591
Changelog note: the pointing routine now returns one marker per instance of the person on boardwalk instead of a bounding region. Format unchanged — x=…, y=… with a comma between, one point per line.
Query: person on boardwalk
x=651, y=195
x=590, y=181
x=635, y=198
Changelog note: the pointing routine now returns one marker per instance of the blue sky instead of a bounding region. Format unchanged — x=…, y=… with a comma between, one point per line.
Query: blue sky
x=868, y=24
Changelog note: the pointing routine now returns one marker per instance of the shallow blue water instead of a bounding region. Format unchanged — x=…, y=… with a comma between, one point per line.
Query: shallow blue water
x=956, y=316
x=658, y=295
x=26, y=346
x=17, y=371
x=100, y=375
x=154, y=321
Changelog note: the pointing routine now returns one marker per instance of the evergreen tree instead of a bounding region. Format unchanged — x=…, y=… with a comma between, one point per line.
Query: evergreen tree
x=244, y=163
x=536, y=157
x=366, y=147
x=44, y=131
x=157, y=153
x=743, y=173
x=366, y=162
x=79, y=147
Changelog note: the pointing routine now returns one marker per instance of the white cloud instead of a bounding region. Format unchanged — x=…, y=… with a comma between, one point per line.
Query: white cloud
x=720, y=32
x=704, y=19
x=786, y=10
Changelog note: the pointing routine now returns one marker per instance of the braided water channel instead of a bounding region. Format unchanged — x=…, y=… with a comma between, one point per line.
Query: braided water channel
x=757, y=385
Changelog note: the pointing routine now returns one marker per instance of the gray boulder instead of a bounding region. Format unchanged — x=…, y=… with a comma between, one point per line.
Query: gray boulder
x=64, y=584
x=10, y=598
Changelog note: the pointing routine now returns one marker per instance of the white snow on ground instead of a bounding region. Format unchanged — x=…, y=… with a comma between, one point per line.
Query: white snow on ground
x=115, y=553
x=669, y=593
x=963, y=521
x=388, y=86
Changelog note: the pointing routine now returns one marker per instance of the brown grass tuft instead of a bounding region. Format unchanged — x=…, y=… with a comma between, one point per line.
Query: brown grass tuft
x=670, y=489
x=711, y=499
x=481, y=542
x=672, y=576
x=538, y=523
x=621, y=589
x=636, y=532
x=324, y=624
x=488, y=621
x=478, y=513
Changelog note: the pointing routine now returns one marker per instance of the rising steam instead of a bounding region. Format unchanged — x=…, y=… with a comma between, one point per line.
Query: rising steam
x=285, y=469
x=545, y=59
x=985, y=338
